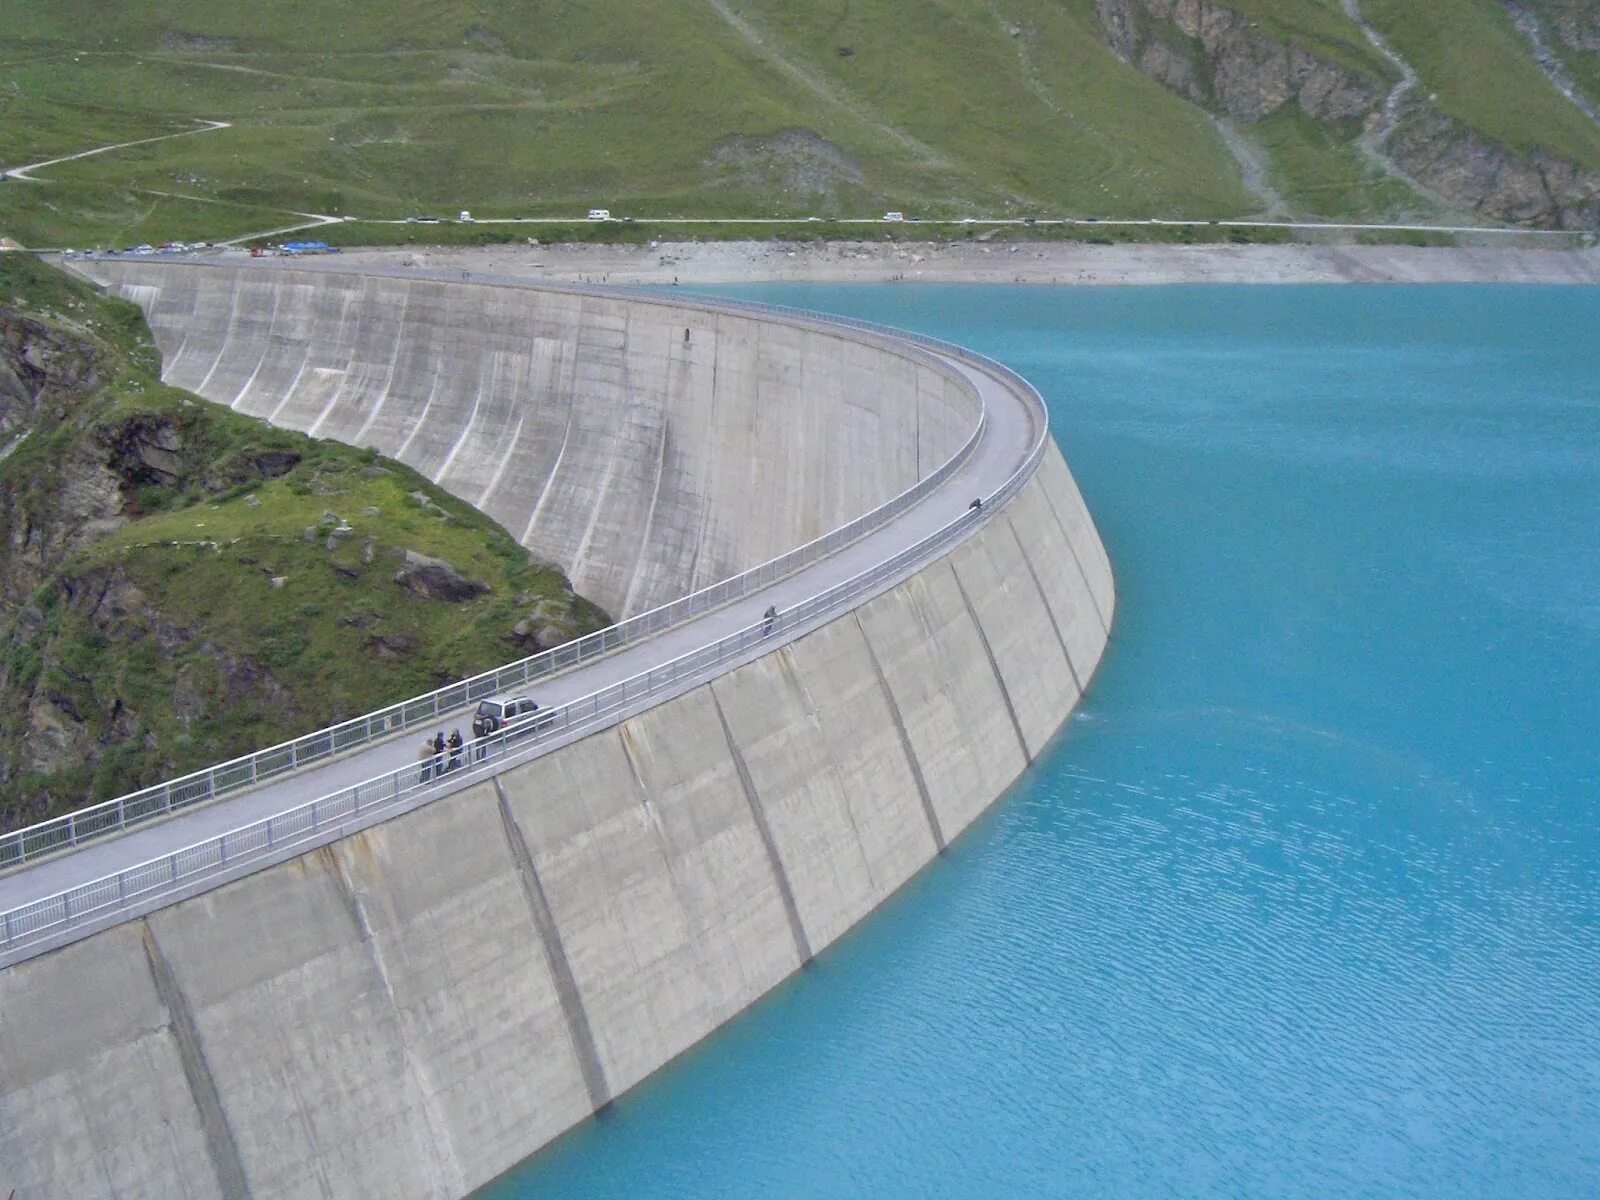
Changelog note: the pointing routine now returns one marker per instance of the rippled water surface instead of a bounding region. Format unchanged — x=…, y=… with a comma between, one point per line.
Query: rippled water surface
x=1303, y=903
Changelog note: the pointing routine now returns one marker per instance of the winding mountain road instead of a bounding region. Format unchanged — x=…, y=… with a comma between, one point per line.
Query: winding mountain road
x=26, y=172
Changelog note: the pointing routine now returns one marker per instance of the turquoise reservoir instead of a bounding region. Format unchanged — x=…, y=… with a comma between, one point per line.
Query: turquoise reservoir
x=1305, y=902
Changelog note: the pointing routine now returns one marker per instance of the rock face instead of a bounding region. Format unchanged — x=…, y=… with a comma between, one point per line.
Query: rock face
x=90, y=470
x=1467, y=169
x=1576, y=22
x=43, y=375
x=1219, y=59
x=56, y=731
x=435, y=579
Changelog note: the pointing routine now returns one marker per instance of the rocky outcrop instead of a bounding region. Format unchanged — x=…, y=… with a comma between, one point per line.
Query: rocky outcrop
x=69, y=718
x=84, y=468
x=48, y=514
x=550, y=622
x=1225, y=62
x=435, y=579
x=796, y=162
x=1467, y=169
x=1576, y=23
x=1532, y=29
x=1221, y=60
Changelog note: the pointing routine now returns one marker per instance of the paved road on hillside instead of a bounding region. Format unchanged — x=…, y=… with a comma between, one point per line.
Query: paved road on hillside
x=1010, y=432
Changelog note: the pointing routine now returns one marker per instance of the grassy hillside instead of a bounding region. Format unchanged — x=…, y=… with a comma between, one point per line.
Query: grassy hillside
x=179, y=583
x=503, y=108
x=707, y=107
x=1476, y=66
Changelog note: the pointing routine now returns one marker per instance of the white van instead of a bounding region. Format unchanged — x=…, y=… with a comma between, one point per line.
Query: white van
x=894, y=216
x=599, y=214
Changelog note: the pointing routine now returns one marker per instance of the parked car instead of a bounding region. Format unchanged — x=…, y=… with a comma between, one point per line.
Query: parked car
x=508, y=712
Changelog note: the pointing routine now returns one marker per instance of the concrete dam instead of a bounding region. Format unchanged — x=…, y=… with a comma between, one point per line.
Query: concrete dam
x=413, y=1005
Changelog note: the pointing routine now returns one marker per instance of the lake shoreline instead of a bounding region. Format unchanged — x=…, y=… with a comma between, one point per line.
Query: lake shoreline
x=1057, y=263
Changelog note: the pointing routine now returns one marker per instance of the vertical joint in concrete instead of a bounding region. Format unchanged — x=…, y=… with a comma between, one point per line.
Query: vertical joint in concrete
x=441, y=1151
x=1066, y=535
x=1011, y=709
x=555, y=953
x=802, y=944
x=1066, y=654
x=221, y=1147
x=905, y=739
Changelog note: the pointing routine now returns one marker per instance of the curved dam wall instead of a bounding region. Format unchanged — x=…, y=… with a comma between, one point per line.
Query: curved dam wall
x=645, y=464
x=415, y=1008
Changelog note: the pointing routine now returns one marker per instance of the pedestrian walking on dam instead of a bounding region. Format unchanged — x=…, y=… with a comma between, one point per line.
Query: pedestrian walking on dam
x=455, y=745
x=769, y=619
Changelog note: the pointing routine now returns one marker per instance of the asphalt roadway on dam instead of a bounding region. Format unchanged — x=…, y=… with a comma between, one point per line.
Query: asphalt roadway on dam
x=1011, y=428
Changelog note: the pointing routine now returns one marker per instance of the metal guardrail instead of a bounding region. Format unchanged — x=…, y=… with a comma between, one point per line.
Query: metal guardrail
x=31, y=927
x=200, y=787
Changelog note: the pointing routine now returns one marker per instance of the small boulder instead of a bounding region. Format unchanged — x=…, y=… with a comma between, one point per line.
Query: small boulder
x=391, y=646
x=273, y=463
x=435, y=579
x=547, y=625
x=426, y=504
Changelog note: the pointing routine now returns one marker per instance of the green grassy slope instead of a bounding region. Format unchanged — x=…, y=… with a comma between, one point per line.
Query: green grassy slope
x=218, y=610
x=686, y=107
x=1325, y=175
x=1475, y=66
x=505, y=109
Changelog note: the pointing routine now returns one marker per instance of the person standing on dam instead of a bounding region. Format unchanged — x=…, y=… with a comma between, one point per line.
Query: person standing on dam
x=455, y=744
x=425, y=761
x=769, y=620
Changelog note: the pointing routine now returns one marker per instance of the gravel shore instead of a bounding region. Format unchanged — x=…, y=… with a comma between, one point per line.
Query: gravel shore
x=1001, y=262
